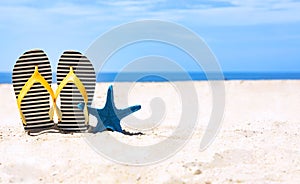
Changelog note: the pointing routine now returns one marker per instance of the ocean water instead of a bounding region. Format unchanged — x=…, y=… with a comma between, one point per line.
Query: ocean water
x=164, y=77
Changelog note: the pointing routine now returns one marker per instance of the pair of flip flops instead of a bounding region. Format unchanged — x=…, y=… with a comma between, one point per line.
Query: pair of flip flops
x=76, y=81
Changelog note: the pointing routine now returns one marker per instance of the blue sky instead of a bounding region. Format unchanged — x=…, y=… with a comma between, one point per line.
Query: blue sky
x=245, y=35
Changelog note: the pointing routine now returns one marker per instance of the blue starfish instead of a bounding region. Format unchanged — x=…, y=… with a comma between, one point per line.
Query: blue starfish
x=109, y=116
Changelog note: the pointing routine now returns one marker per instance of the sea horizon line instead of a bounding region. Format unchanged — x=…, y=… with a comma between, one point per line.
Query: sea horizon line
x=6, y=77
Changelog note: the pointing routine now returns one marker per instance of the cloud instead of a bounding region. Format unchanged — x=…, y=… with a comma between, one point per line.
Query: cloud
x=212, y=12
x=29, y=13
x=75, y=23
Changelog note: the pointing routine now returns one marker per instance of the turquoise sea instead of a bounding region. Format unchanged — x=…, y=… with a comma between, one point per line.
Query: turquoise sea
x=5, y=77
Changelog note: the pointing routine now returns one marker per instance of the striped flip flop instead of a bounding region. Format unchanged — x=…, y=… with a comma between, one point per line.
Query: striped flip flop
x=73, y=63
x=31, y=81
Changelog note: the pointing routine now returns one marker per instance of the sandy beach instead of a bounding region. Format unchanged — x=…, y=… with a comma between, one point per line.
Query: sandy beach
x=259, y=141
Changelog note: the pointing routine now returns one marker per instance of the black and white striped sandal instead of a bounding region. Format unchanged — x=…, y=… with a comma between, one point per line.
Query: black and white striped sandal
x=76, y=81
x=32, y=78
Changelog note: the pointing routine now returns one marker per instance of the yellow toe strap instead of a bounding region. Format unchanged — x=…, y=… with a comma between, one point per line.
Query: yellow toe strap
x=36, y=77
x=71, y=77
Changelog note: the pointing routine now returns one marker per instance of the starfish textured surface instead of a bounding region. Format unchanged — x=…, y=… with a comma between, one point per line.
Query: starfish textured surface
x=109, y=117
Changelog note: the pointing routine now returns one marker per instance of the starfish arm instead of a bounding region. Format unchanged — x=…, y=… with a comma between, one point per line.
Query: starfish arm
x=118, y=127
x=100, y=126
x=127, y=111
x=93, y=111
x=110, y=98
x=113, y=124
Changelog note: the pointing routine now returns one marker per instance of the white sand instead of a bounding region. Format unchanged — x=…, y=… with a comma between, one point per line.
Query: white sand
x=259, y=141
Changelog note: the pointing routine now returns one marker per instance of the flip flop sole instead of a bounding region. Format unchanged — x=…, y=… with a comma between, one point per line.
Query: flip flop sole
x=35, y=105
x=73, y=118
